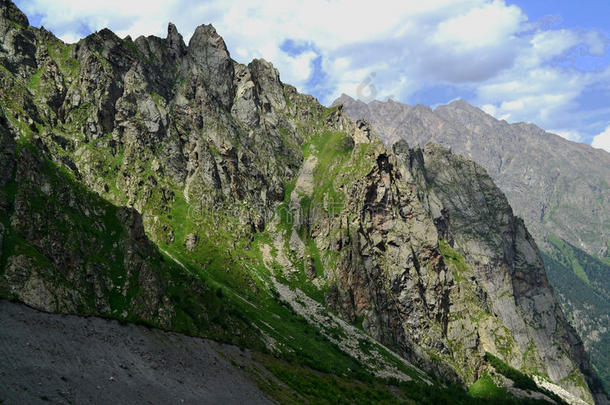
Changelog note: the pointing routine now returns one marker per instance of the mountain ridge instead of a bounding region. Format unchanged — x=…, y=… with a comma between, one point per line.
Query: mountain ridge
x=150, y=181
x=558, y=186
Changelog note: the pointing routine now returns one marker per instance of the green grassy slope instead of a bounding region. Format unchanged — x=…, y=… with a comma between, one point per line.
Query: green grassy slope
x=582, y=283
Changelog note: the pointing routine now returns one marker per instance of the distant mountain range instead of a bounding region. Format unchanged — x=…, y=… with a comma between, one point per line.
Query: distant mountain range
x=560, y=188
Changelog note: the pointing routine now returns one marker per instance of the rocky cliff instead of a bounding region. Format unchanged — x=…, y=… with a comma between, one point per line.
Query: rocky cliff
x=479, y=224
x=153, y=181
x=560, y=189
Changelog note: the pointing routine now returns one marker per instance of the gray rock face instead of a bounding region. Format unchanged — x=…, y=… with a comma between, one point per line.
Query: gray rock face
x=16, y=48
x=268, y=87
x=208, y=56
x=560, y=189
x=245, y=108
x=10, y=12
x=507, y=267
x=7, y=151
x=362, y=133
x=191, y=241
x=390, y=272
x=175, y=42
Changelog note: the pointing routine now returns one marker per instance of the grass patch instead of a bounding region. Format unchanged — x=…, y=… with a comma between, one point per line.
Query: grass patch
x=520, y=379
x=34, y=82
x=570, y=258
x=453, y=259
x=486, y=388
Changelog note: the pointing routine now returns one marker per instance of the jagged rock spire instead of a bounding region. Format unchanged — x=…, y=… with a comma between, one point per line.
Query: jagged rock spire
x=175, y=42
x=209, y=56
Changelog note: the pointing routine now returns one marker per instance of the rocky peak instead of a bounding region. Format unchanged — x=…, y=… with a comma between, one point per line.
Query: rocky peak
x=343, y=99
x=352, y=104
x=459, y=103
x=465, y=113
x=268, y=84
x=175, y=42
x=10, y=12
x=337, y=120
x=209, y=58
x=108, y=45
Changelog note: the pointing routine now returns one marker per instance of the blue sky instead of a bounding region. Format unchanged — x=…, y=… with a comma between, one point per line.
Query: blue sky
x=538, y=61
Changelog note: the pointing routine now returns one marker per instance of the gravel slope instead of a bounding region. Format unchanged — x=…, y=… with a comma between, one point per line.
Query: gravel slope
x=47, y=358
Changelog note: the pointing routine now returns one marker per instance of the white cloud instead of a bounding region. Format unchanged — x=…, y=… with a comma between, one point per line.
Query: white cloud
x=602, y=141
x=546, y=45
x=69, y=17
x=480, y=27
x=401, y=42
x=299, y=67
x=484, y=48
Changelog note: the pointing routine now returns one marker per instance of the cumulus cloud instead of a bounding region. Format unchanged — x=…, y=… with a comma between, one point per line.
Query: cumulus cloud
x=514, y=68
x=403, y=43
x=602, y=141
